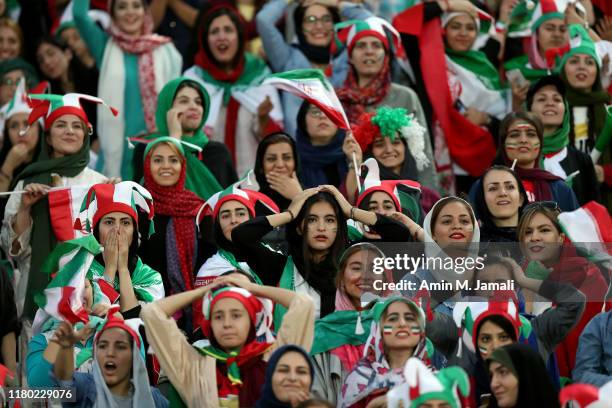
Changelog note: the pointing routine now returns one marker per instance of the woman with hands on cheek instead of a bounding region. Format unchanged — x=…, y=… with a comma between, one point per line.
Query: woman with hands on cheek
x=276, y=169
x=118, y=215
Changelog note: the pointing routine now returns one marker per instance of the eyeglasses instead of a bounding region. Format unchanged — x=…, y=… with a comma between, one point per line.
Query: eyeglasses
x=312, y=20
x=316, y=113
x=551, y=205
x=10, y=81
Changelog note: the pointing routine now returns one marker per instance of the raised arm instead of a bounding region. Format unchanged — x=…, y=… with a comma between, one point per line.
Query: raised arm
x=93, y=35
x=278, y=51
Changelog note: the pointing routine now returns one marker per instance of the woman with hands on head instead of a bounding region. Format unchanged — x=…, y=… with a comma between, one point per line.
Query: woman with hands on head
x=238, y=324
x=27, y=235
x=317, y=235
x=119, y=373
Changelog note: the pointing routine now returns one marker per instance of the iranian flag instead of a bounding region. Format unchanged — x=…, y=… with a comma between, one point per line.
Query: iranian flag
x=63, y=297
x=312, y=85
x=590, y=230
x=64, y=209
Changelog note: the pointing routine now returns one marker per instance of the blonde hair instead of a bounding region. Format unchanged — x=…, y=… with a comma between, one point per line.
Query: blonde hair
x=10, y=23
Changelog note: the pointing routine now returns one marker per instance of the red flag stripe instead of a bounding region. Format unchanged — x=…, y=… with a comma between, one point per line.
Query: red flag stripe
x=108, y=290
x=60, y=210
x=65, y=309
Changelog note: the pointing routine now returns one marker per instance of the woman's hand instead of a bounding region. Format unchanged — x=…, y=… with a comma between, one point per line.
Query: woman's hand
x=34, y=192
x=324, y=3
x=298, y=202
x=604, y=28
x=123, y=251
x=505, y=9
x=66, y=337
x=477, y=117
x=462, y=6
x=173, y=119
x=100, y=309
x=111, y=253
x=288, y=187
x=519, y=94
x=350, y=146
x=296, y=397
x=340, y=199
x=15, y=158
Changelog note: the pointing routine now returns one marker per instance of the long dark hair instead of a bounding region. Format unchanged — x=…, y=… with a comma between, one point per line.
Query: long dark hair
x=480, y=205
x=299, y=245
x=509, y=119
x=208, y=16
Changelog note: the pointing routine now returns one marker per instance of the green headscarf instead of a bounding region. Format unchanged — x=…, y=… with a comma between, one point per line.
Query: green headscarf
x=19, y=63
x=560, y=137
x=42, y=238
x=200, y=179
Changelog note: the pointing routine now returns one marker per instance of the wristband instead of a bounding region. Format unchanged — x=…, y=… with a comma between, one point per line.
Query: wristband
x=352, y=213
x=291, y=214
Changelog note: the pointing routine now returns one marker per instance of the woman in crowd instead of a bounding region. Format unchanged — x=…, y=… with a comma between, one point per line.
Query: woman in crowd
x=519, y=379
x=498, y=198
x=317, y=235
x=488, y=325
x=397, y=334
x=177, y=246
x=521, y=139
x=289, y=377
x=182, y=110
x=27, y=234
x=65, y=72
x=546, y=100
x=277, y=168
x=10, y=324
x=553, y=257
x=319, y=144
x=119, y=372
x=18, y=150
x=241, y=112
x=237, y=318
x=11, y=39
x=11, y=71
x=226, y=210
x=313, y=22
x=119, y=216
x=134, y=64
x=400, y=144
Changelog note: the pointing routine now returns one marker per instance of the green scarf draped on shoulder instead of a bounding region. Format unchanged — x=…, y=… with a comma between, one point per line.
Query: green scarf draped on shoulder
x=254, y=68
x=521, y=63
x=43, y=239
x=146, y=281
x=560, y=137
x=200, y=179
x=478, y=63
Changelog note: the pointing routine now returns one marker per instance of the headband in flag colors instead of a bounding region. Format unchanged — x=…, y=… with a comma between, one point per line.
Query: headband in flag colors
x=349, y=32
x=391, y=123
x=587, y=395
x=484, y=22
x=406, y=194
x=450, y=384
x=260, y=310
x=469, y=315
x=528, y=15
x=245, y=191
x=51, y=106
x=127, y=197
x=114, y=321
x=18, y=104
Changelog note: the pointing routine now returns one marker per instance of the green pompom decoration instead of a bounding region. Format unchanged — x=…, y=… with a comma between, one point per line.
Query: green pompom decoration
x=390, y=121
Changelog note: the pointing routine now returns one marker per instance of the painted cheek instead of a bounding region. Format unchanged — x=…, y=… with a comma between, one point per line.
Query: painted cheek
x=387, y=330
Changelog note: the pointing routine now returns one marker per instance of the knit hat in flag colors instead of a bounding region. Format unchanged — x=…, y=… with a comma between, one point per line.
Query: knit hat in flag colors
x=50, y=107
x=469, y=315
x=391, y=123
x=580, y=43
x=349, y=32
x=126, y=197
x=20, y=102
x=115, y=320
x=587, y=395
x=528, y=15
x=404, y=193
x=246, y=191
x=451, y=385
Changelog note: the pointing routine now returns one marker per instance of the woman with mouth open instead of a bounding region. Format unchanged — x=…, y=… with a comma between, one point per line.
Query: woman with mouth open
x=397, y=334
x=237, y=321
x=241, y=112
x=551, y=256
x=521, y=136
x=119, y=375
x=134, y=65
x=547, y=101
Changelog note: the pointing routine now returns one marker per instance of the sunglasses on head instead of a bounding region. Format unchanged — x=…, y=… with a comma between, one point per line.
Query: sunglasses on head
x=551, y=205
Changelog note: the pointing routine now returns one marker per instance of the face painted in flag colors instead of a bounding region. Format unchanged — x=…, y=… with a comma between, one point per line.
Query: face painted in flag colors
x=400, y=326
x=522, y=144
